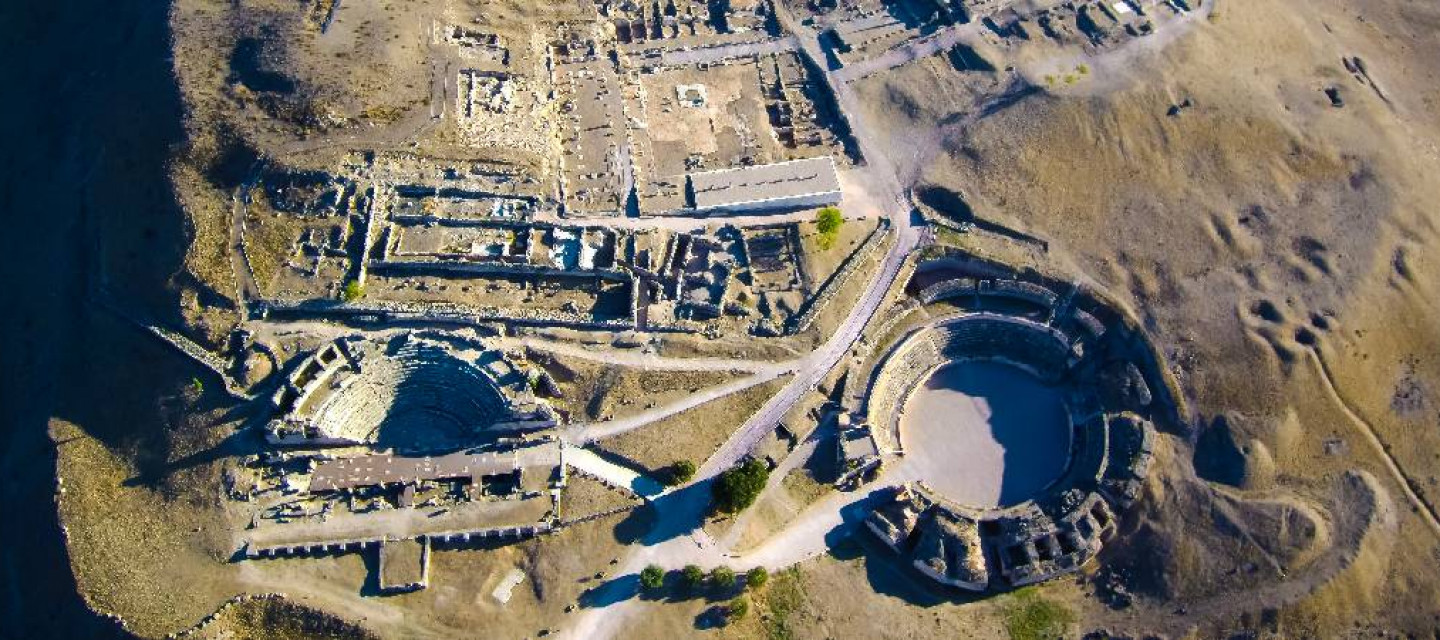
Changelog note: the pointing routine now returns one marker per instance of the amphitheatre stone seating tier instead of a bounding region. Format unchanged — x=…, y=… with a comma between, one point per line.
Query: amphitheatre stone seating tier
x=1018, y=290
x=947, y=289
x=1042, y=350
x=351, y=394
x=1083, y=404
x=1089, y=448
x=1087, y=323
x=1132, y=446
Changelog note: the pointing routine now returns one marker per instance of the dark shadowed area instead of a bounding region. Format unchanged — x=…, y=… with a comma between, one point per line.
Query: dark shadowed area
x=86, y=144
x=986, y=434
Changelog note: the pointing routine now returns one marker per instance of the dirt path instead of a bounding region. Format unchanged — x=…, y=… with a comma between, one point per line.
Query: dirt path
x=612, y=474
x=1422, y=507
x=246, y=287
x=589, y=432
x=648, y=360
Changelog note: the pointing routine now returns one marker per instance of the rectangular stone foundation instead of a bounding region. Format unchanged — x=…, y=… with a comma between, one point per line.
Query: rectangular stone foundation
x=404, y=565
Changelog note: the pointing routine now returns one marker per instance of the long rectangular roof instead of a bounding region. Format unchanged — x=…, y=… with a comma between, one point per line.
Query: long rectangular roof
x=761, y=183
x=385, y=469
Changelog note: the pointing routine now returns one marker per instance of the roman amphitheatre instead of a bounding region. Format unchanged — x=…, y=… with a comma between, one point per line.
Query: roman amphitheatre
x=747, y=318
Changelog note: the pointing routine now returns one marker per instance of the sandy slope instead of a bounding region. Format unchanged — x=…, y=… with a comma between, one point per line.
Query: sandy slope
x=1254, y=227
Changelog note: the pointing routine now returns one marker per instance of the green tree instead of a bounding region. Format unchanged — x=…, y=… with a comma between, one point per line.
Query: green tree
x=680, y=472
x=722, y=578
x=652, y=577
x=353, y=291
x=692, y=576
x=757, y=577
x=739, y=486
x=828, y=222
x=737, y=609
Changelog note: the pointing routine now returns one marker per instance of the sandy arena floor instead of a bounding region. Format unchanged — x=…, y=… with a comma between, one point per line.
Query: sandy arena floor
x=985, y=434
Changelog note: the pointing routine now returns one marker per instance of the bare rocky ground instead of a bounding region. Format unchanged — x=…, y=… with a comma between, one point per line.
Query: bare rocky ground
x=1274, y=245
x=1280, y=249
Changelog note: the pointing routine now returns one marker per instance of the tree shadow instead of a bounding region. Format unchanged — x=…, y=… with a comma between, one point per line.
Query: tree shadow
x=823, y=465
x=636, y=523
x=667, y=516
x=612, y=591
x=713, y=617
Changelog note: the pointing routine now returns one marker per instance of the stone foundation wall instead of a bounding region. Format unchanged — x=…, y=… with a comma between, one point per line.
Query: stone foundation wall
x=837, y=281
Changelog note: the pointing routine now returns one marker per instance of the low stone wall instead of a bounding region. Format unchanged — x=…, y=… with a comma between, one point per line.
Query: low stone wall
x=184, y=345
x=442, y=314
x=233, y=601
x=1039, y=348
x=490, y=267
x=837, y=281
x=596, y=516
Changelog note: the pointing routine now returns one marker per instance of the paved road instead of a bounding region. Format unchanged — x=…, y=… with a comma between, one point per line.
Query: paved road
x=610, y=473
x=883, y=182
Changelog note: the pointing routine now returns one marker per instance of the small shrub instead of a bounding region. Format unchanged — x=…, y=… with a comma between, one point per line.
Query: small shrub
x=652, y=577
x=353, y=291
x=1028, y=616
x=757, y=577
x=680, y=473
x=828, y=222
x=722, y=578
x=736, y=609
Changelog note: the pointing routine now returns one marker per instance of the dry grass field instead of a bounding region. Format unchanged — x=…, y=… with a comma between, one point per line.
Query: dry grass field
x=692, y=434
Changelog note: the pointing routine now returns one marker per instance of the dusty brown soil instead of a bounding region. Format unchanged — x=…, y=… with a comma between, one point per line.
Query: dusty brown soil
x=1271, y=244
x=692, y=434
